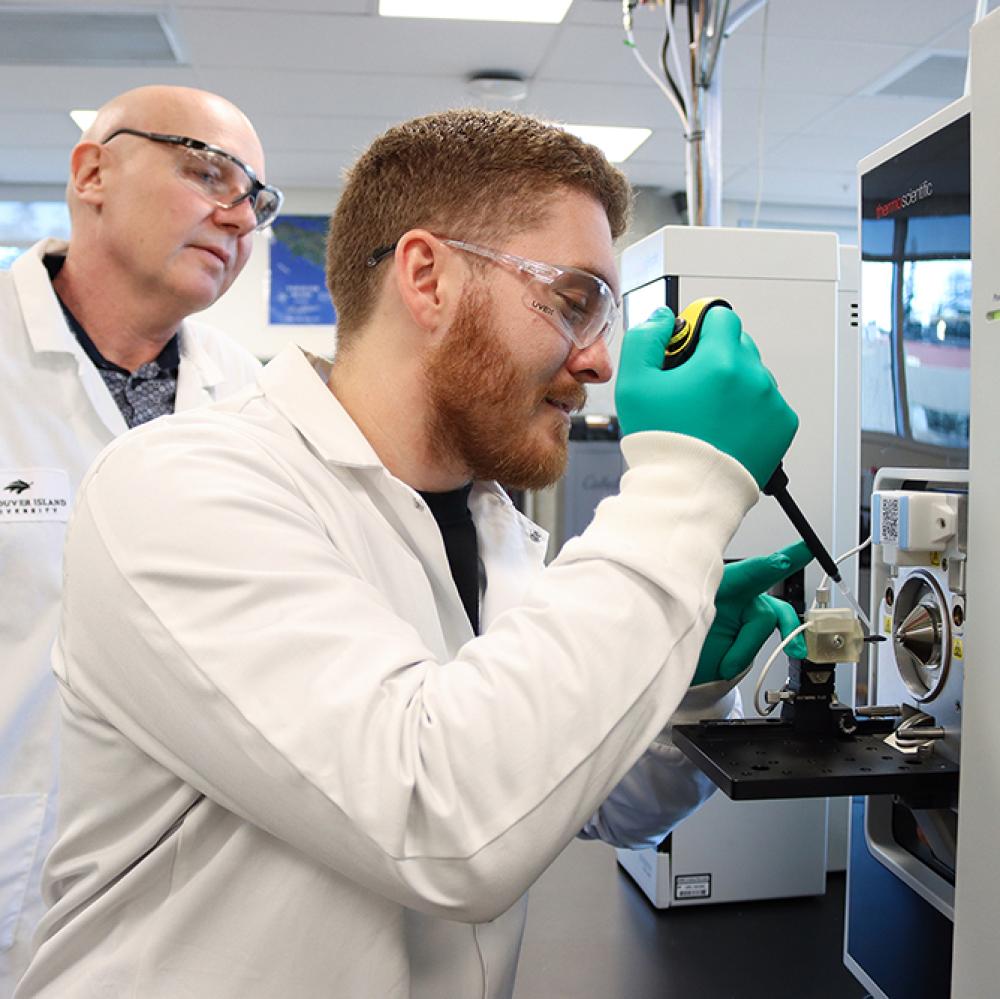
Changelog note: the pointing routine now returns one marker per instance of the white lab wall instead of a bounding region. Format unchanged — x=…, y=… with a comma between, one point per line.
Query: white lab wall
x=243, y=311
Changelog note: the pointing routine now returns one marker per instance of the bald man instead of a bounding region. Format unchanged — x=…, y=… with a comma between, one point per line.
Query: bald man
x=165, y=191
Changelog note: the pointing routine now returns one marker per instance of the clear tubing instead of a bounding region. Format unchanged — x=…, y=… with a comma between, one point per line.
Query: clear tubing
x=855, y=606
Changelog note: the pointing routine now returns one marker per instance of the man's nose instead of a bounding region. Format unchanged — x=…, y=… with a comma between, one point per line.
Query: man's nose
x=240, y=217
x=591, y=364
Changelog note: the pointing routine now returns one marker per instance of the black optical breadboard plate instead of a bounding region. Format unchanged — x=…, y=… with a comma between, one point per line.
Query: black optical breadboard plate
x=752, y=760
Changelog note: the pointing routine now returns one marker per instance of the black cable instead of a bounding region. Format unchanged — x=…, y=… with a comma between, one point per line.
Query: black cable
x=671, y=82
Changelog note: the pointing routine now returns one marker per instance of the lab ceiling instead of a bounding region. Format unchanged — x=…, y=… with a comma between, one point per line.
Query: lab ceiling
x=320, y=78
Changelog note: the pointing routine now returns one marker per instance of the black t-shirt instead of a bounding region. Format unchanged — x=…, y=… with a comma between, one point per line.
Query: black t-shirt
x=454, y=518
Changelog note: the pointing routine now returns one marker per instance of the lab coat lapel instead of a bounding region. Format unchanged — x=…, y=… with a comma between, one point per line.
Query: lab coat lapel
x=49, y=332
x=513, y=549
x=421, y=533
x=197, y=376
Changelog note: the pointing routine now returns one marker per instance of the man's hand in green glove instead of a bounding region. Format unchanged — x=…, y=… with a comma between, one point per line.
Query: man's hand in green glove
x=745, y=615
x=722, y=394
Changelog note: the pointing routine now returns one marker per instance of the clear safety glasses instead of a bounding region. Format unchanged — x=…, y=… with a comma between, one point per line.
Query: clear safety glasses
x=218, y=176
x=578, y=304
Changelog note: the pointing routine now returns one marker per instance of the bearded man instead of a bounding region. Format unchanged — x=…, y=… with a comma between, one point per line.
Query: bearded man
x=328, y=715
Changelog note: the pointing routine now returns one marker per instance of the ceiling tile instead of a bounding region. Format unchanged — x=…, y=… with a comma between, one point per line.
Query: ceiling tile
x=957, y=38
x=817, y=152
x=876, y=119
x=823, y=67
x=344, y=43
x=285, y=133
x=600, y=12
x=896, y=22
x=280, y=92
x=795, y=186
x=784, y=111
x=57, y=88
x=589, y=53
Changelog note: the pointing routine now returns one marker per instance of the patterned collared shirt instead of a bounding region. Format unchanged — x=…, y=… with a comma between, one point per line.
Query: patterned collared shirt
x=141, y=395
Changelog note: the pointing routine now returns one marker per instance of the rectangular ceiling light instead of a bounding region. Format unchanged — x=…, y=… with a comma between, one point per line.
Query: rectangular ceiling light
x=532, y=11
x=617, y=143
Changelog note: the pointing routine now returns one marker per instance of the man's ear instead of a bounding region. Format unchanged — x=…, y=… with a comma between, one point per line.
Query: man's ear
x=86, y=178
x=428, y=288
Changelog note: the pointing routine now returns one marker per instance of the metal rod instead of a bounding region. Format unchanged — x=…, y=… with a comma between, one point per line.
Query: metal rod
x=741, y=14
x=716, y=35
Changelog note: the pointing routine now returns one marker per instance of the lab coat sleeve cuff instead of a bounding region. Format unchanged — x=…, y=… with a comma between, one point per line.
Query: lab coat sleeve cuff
x=680, y=503
x=718, y=699
x=663, y=470
x=663, y=787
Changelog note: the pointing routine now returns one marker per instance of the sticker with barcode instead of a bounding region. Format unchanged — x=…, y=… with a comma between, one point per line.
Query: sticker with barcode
x=889, y=520
x=692, y=886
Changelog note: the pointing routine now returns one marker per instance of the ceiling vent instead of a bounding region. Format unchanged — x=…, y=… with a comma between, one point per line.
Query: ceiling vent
x=76, y=38
x=935, y=75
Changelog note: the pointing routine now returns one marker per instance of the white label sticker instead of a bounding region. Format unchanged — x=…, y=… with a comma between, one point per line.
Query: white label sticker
x=693, y=886
x=28, y=495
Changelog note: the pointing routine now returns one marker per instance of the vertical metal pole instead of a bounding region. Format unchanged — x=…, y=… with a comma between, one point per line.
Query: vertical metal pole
x=706, y=20
x=710, y=103
x=696, y=166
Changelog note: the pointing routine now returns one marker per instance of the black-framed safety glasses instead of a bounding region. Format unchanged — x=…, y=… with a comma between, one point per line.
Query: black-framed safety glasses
x=218, y=176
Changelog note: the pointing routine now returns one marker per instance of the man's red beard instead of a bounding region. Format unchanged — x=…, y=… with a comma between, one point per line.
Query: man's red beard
x=484, y=412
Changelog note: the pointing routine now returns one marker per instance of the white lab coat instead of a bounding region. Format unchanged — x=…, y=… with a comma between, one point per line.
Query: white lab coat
x=290, y=769
x=55, y=416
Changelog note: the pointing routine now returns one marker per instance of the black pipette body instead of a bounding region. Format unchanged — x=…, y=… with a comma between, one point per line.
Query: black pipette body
x=777, y=486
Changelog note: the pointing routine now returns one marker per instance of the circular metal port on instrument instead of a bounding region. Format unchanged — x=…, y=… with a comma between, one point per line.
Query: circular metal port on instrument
x=921, y=635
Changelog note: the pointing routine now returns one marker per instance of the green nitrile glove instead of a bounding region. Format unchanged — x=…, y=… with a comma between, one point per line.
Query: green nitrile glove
x=745, y=614
x=722, y=394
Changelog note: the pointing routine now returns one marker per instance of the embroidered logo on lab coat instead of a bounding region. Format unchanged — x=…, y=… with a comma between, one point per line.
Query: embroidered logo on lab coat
x=28, y=495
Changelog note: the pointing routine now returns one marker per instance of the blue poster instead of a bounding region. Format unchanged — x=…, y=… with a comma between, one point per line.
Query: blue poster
x=298, y=281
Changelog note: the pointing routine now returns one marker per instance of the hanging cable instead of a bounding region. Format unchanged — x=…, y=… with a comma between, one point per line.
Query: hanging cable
x=664, y=49
x=627, y=8
x=675, y=57
x=760, y=119
x=766, y=709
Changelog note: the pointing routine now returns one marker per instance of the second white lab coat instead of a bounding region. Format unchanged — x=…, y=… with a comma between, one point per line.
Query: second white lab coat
x=56, y=415
x=290, y=767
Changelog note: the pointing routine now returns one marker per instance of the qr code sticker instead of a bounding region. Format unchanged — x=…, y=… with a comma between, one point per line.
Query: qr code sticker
x=889, y=520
